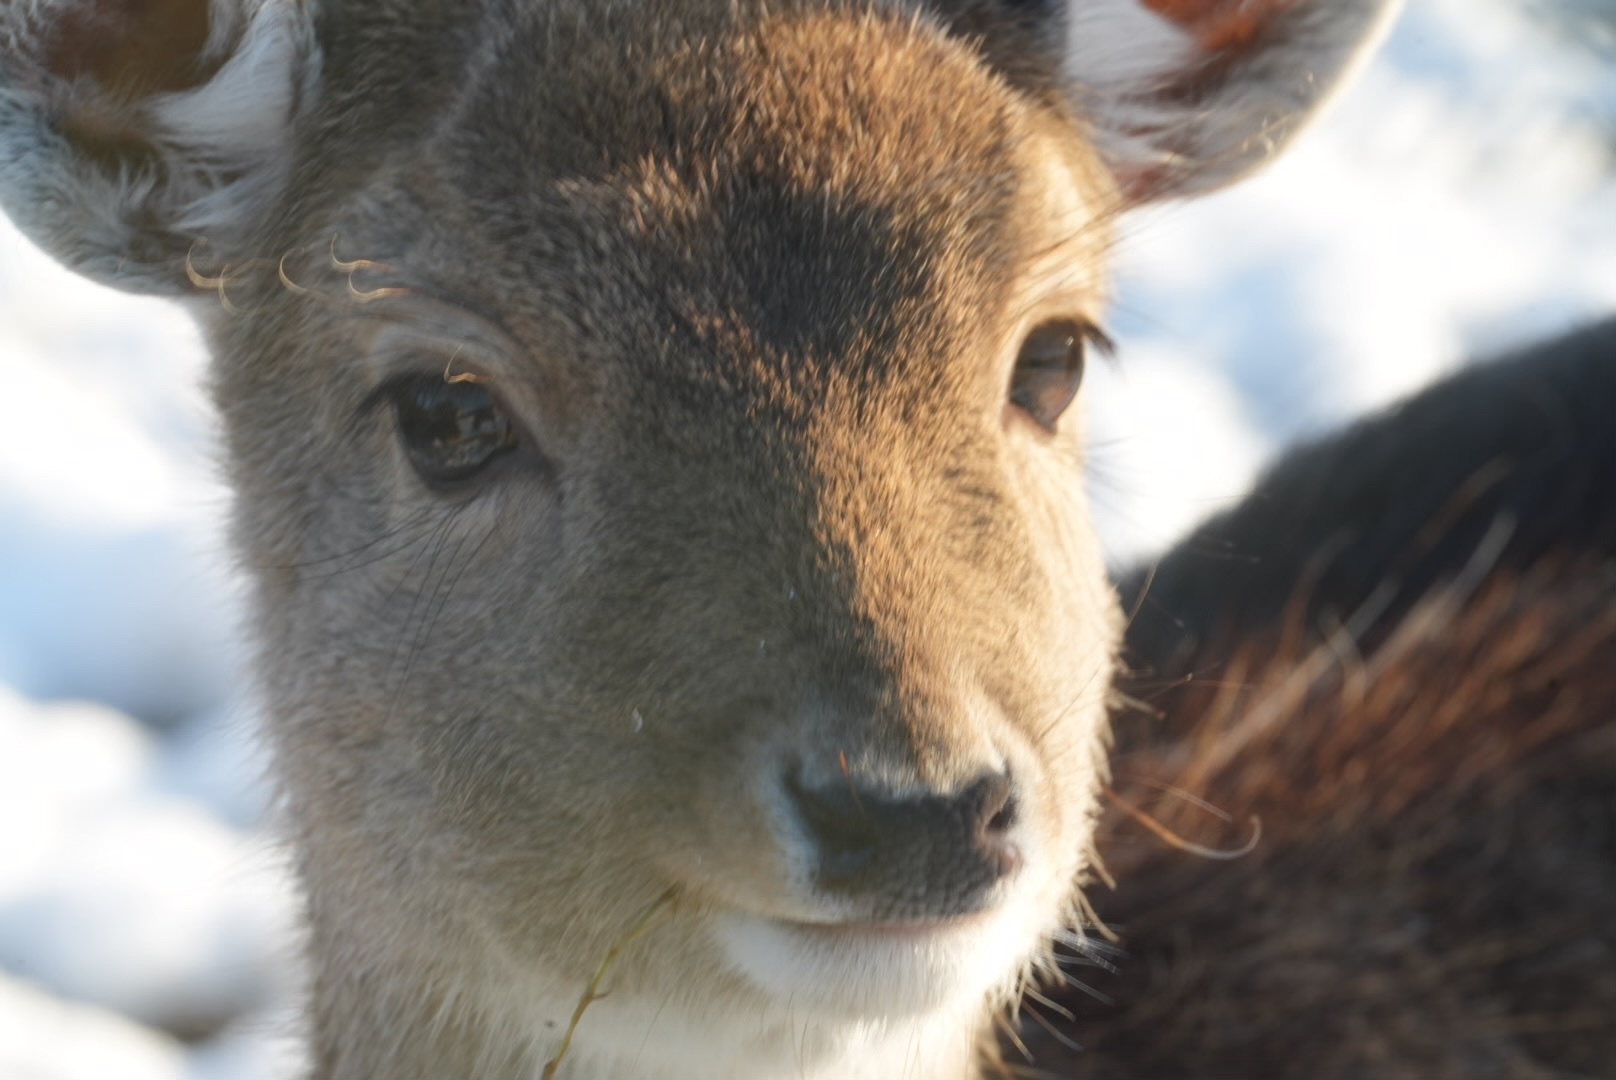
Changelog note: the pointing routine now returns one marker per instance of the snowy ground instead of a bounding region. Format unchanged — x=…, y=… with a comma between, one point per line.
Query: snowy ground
x=1458, y=201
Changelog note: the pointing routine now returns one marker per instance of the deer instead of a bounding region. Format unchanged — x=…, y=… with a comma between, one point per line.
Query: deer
x=683, y=645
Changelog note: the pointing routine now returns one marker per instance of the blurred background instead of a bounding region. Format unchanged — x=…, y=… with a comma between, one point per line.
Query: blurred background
x=1459, y=200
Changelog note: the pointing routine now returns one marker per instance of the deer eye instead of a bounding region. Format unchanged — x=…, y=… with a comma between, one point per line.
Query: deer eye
x=1049, y=369
x=451, y=430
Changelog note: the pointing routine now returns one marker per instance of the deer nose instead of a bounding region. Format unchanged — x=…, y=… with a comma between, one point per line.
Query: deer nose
x=925, y=856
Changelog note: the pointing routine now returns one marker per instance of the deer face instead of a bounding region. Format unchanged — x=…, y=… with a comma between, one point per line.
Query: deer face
x=748, y=555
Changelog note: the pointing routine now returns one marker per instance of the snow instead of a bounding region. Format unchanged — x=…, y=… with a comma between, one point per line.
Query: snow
x=111, y=569
x=45, y=1038
x=119, y=891
x=1457, y=202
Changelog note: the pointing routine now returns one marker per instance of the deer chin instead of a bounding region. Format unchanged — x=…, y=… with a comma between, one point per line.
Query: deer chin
x=859, y=970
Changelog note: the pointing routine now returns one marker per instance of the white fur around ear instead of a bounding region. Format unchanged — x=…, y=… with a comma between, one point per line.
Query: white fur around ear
x=1188, y=95
x=236, y=131
x=120, y=180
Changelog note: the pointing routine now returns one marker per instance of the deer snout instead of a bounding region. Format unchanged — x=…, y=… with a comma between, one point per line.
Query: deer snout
x=910, y=856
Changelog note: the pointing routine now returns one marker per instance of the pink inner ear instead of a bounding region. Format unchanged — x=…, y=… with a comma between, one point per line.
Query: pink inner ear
x=1221, y=25
x=131, y=47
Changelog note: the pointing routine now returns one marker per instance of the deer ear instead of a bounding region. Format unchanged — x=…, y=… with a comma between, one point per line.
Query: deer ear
x=132, y=130
x=1184, y=96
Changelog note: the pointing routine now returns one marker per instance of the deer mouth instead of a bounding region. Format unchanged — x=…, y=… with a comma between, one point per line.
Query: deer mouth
x=864, y=968
x=912, y=930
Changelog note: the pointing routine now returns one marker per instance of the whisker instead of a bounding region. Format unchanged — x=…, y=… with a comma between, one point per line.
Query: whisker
x=1174, y=840
x=1049, y=1003
x=354, y=266
x=1003, y=1023
x=1081, y=950
x=1054, y=1032
x=1101, y=871
x=213, y=284
x=1178, y=792
x=1092, y=918
x=433, y=548
x=1139, y=601
x=459, y=572
x=423, y=627
x=411, y=522
x=1073, y=982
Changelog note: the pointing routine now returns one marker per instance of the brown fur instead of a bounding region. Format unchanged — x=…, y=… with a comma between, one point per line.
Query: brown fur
x=1431, y=892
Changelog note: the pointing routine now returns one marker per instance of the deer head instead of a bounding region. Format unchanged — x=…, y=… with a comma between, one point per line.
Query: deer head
x=652, y=435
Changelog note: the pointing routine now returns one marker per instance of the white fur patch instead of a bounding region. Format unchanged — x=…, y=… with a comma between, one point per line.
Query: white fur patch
x=632, y=1039
x=1118, y=54
x=1121, y=56
x=233, y=135
x=1119, y=46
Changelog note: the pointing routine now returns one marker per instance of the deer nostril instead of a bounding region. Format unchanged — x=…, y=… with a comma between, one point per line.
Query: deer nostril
x=835, y=818
x=925, y=855
x=996, y=815
x=999, y=810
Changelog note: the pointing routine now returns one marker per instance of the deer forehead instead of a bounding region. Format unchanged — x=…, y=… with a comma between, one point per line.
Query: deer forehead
x=756, y=211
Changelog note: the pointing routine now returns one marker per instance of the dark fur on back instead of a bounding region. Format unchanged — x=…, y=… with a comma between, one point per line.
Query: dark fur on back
x=1398, y=503
x=1432, y=892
